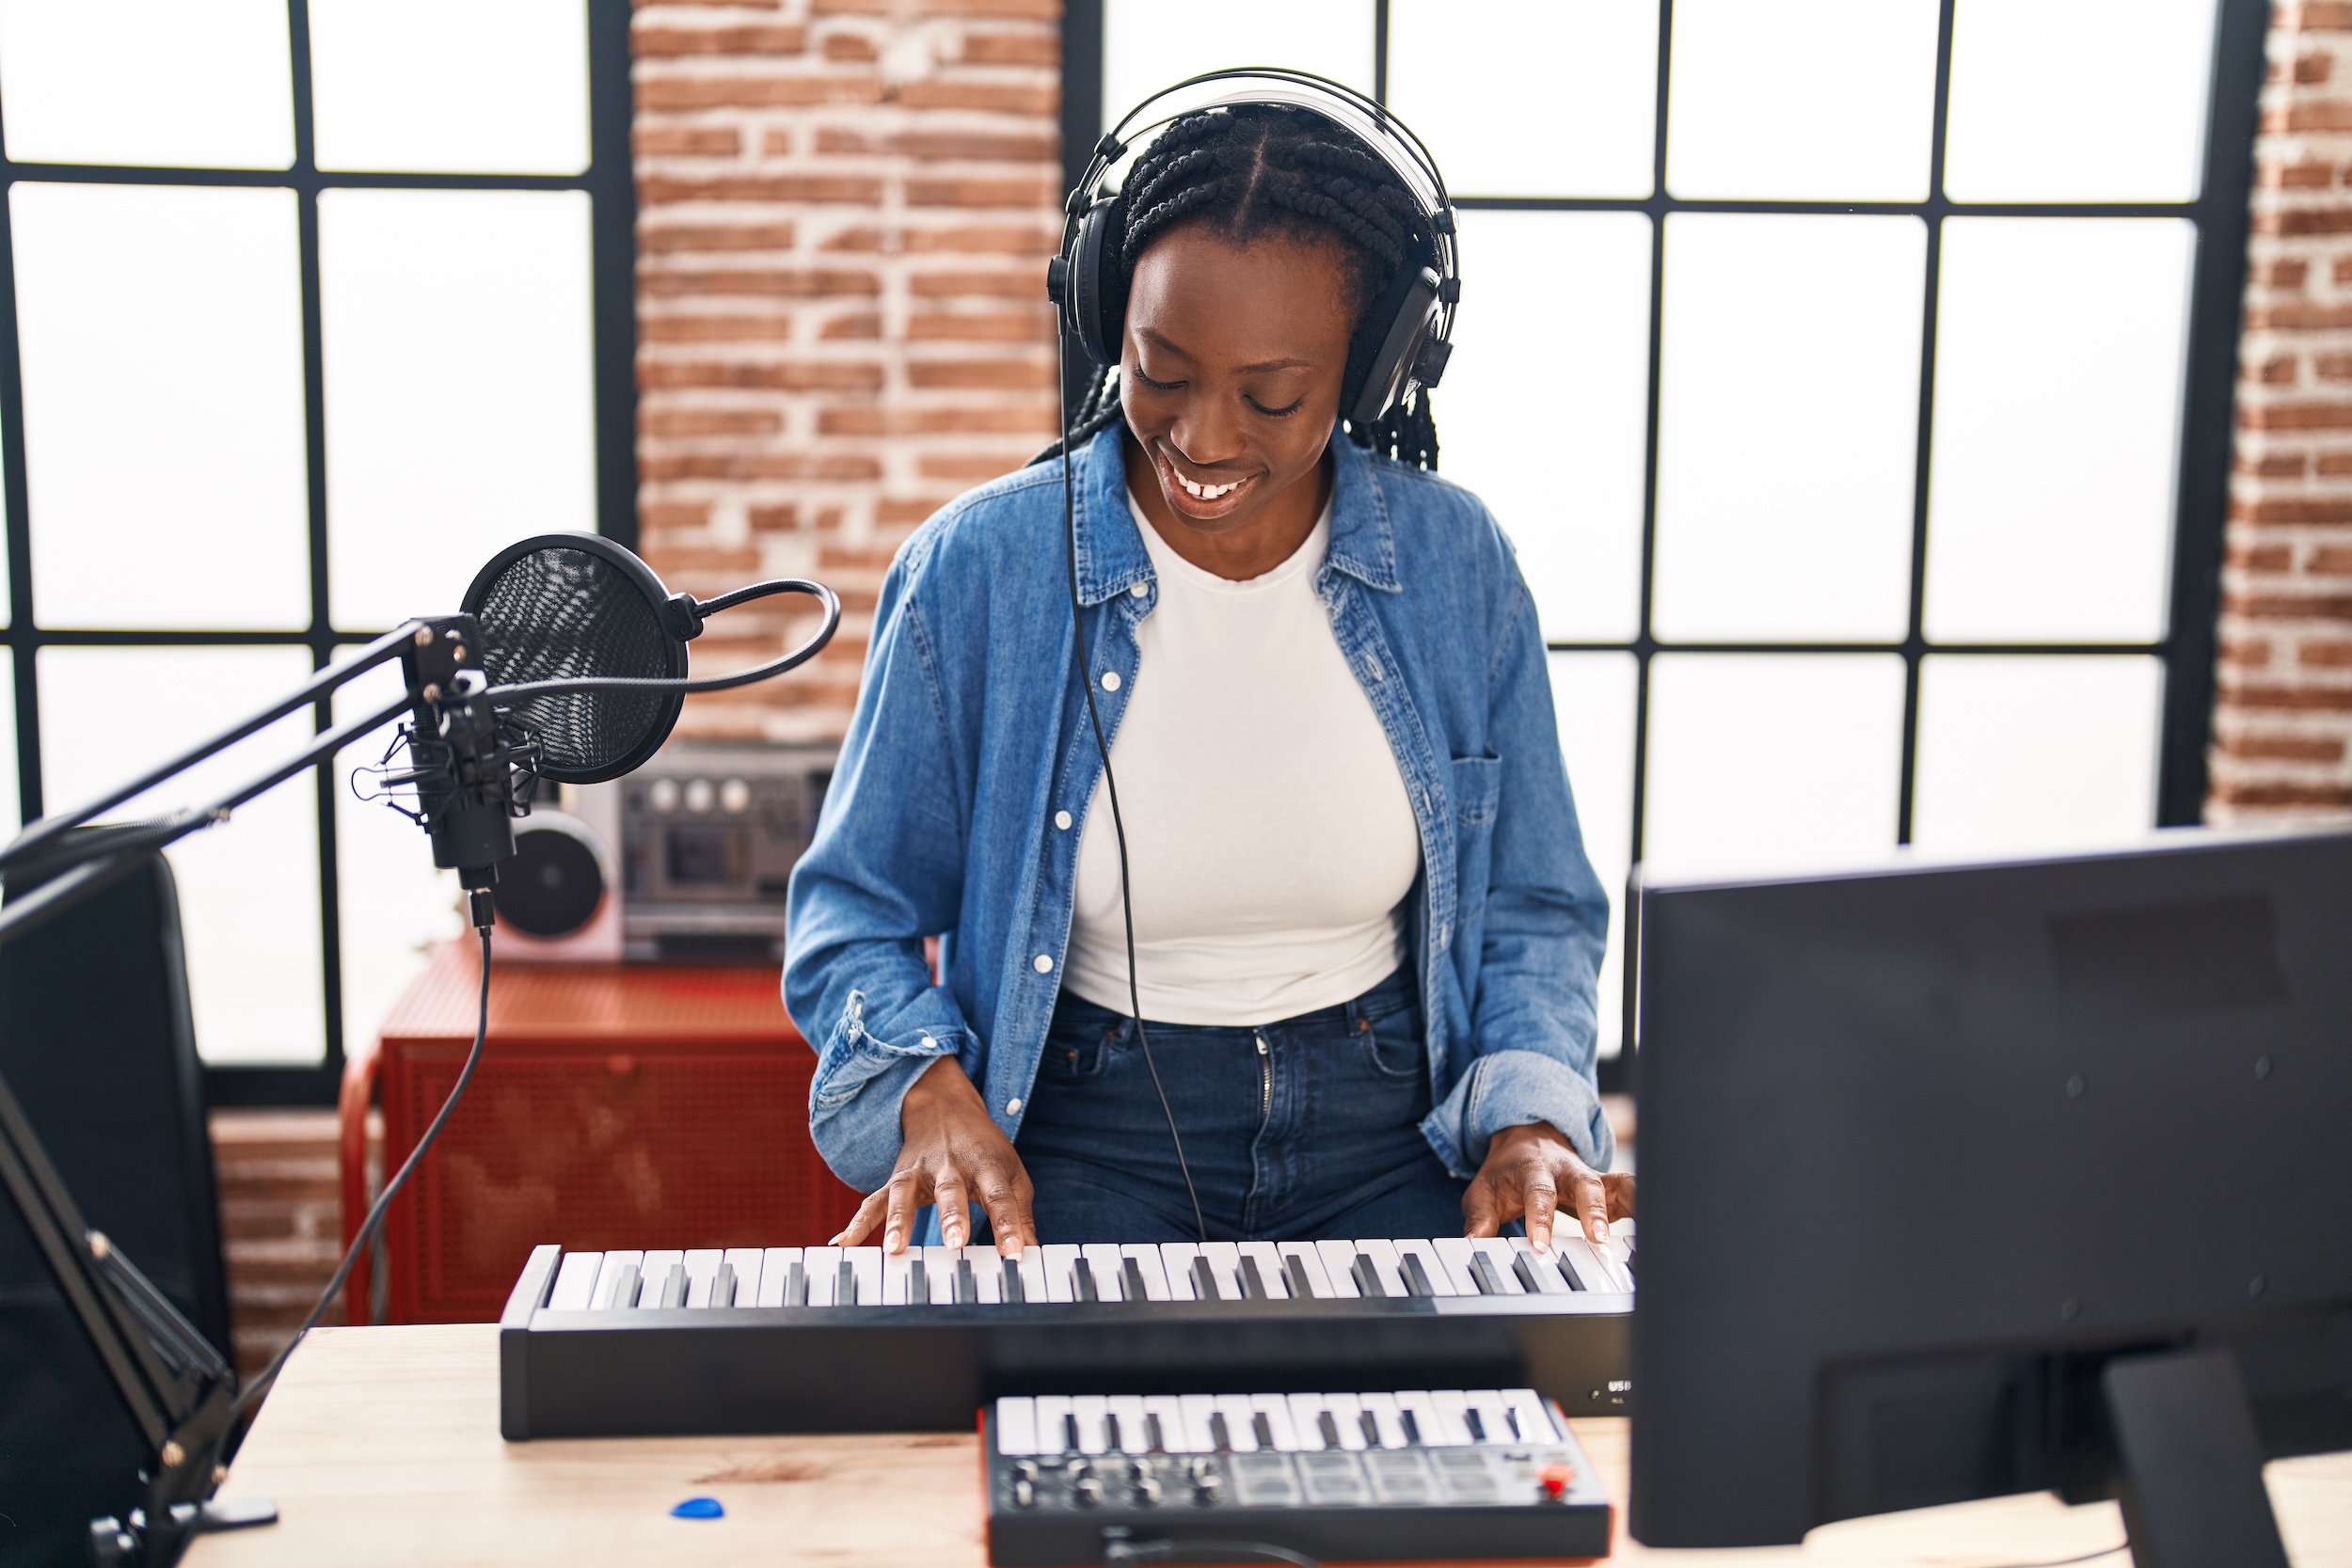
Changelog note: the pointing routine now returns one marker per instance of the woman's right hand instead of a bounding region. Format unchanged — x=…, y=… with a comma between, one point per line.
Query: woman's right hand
x=952, y=1153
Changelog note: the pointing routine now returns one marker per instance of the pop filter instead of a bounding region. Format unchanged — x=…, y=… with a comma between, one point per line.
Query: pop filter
x=587, y=650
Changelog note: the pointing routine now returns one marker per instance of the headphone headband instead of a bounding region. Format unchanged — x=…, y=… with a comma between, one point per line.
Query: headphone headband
x=1408, y=346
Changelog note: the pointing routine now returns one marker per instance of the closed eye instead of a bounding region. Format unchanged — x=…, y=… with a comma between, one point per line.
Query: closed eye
x=1277, y=413
x=1157, y=385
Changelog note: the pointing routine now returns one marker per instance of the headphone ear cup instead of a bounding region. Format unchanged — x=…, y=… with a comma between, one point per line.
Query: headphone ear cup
x=1409, y=324
x=1098, y=303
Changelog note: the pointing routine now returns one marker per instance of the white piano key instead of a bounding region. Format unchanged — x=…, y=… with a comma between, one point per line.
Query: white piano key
x=1386, y=1264
x=1544, y=1265
x=1059, y=1259
x=1036, y=1284
x=1199, y=1437
x=1450, y=1403
x=750, y=1268
x=1091, y=1409
x=655, y=1273
x=1590, y=1267
x=1240, y=1432
x=1133, y=1437
x=939, y=1274
x=1016, y=1426
x=822, y=1265
x=1620, y=1257
x=1440, y=1277
x=1305, y=1409
x=1147, y=1258
x=1110, y=1281
x=1454, y=1253
x=775, y=1270
x=1175, y=1259
x=1385, y=1416
x=1051, y=1430
x=1339, y=1267
x=988, y=1273
x=701, y=1269
x=866, y=1264
x=1269, y=1260
x=1500, y=1258
x=1175, y=1431
x=1347, y=1414
x=1493, y=1415
x=576, y=1282
x=1277, y=1411
x=1536, y=1422
x=609, y=1272
x=1423, y=1407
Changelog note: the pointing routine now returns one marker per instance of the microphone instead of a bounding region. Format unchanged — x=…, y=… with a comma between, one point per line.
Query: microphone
x=567, y=664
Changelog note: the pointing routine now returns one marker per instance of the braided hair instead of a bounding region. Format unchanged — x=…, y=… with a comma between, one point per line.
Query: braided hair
x=1256, y=170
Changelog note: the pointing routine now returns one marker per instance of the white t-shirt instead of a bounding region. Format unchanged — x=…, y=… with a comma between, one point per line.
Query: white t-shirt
x=1269, y=837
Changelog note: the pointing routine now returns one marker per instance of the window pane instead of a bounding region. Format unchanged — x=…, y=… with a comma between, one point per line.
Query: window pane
x=147, y=82
x=248, y=889
x=451, y=86
x=1772, y=762
x=161, y=331
x=1787, y=424
x=394, y=906
x=1530, y=96
x=1593, y=696
x=460, y=394
x=2079, y=99
x=1544, y=405
x=2035, y=754
x=2057, y=428
x=1149, y=44
x=11, y=808
x=1802, y=100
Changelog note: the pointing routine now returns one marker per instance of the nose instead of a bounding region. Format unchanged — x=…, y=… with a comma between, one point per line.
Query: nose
x=1206, y=432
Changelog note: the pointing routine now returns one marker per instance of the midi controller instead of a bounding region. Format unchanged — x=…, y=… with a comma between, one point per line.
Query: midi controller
x=853, y=1340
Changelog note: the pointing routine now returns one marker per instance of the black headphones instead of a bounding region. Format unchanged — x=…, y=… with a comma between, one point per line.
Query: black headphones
x=1404, y=339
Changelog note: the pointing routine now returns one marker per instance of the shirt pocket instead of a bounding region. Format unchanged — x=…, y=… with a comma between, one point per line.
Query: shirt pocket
x=1477, y=788
x=1477, y=793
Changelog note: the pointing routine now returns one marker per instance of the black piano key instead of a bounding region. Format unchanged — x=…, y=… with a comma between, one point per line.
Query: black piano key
x=1252, y=1282
x=1329, y=1425
x=1131, y=1277
x=624, y=1287
x=1513, y=1416
x=674, y=1288
x=796, y=1285
x=1013, y=1290
x=1524, y=1266
x=1367, y=1277
x=1369, y=1426
x=1113, y=1438
x=918, y=1288
x=1083, y=1282
x=1295, y=1270
x=845, y=1293
x=1483, y=1275
x=722, y=1286
x=1416, y=1277
x=1220, y=1434
x=1477, y=1425
x=1204, y=1281
x=1575, y=1281
x=1412, y=1427
x=1261, y=1429
x=967, y=1288
x=1070, y=1434
x=1155, y=1439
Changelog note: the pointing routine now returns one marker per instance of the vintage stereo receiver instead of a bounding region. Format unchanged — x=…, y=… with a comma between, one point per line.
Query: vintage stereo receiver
x=710, y=834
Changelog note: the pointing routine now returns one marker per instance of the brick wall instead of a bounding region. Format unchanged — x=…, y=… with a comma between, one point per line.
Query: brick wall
x=845, y=212
x=281, y=1220
x=2285, y=712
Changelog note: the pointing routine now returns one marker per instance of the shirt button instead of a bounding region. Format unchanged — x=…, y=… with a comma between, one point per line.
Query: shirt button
x=1139, y=590
x=929, y=1044
x=1110, y=680
x=1043, y=963
x=1012, y=1106
x=1061, y=820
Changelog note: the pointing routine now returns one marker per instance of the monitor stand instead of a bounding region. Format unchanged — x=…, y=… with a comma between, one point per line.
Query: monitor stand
x=2191, y=1469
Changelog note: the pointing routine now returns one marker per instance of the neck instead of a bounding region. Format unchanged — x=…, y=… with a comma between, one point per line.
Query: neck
x=1235, y=551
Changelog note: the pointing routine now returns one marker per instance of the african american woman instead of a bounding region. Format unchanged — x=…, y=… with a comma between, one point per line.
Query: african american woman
x=1366, y=934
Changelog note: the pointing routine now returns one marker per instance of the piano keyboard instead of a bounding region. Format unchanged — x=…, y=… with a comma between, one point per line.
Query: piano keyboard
x=1392, y=1475
x=848, y=1338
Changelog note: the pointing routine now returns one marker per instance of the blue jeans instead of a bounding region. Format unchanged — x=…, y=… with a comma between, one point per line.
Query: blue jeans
x=1295, y=1131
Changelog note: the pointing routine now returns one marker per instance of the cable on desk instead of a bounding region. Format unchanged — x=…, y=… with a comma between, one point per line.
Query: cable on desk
x=2063, y=1561
x=260, y=1385
x=1120, y=1552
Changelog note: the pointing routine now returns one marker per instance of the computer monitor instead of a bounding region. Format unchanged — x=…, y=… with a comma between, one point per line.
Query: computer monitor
x=1934, y=1154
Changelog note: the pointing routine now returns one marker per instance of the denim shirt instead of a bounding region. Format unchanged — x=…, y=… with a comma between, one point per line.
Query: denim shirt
x=963, y=783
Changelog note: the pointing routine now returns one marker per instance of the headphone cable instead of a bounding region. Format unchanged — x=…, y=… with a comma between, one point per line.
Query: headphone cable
x=1110, y=784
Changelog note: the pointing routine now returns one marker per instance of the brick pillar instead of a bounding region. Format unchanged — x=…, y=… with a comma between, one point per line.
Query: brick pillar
x=281, y=1220
x=2283, y=713
x=845, y=209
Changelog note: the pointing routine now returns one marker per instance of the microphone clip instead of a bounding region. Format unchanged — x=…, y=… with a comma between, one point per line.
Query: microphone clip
x=463, y=759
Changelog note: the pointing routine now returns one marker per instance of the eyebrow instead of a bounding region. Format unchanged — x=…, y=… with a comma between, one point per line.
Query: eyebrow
x=1259, y=369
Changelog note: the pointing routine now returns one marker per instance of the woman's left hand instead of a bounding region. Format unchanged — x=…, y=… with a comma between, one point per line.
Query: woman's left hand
x=1534, y=1171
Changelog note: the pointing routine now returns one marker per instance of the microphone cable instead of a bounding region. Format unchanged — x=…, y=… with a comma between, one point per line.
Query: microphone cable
x=246, y=1397
x=1110, y=784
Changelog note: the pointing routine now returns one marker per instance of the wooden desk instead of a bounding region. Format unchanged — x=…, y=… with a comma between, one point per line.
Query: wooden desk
x=381, y=1447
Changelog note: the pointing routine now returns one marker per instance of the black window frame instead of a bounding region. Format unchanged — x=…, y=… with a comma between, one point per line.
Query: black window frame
x=610, y=182
x=2220, y=215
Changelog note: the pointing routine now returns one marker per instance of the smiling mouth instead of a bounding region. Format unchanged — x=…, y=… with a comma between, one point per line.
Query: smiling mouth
x=1206, y=492
x=1199, y=501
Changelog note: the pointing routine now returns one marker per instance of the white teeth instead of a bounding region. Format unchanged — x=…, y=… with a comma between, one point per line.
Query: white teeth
x=1205, y=492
